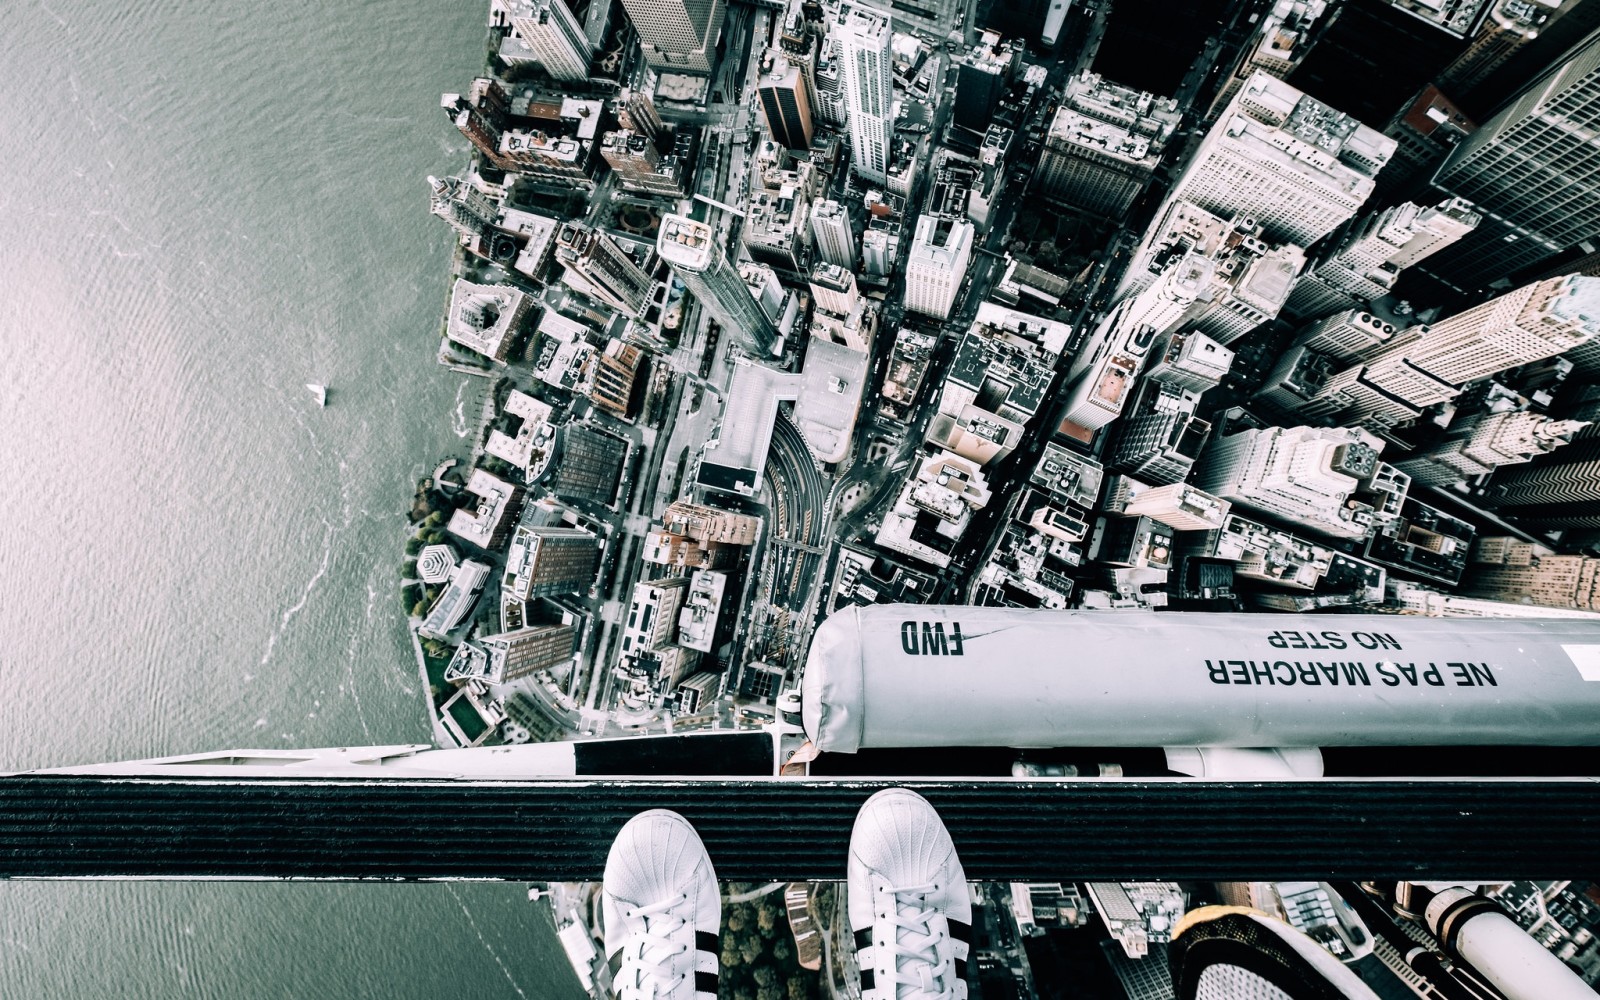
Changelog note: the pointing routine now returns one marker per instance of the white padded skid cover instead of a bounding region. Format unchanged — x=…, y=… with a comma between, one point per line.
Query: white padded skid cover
x=901, y=675
x=832, y=706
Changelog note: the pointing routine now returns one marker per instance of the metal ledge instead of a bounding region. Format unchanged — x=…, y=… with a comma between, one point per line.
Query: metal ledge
x=92, y=826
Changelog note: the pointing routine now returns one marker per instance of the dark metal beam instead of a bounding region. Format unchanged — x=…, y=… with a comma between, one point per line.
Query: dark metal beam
x=75, y=826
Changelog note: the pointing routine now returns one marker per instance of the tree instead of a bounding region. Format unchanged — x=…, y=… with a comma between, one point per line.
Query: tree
x=435, y=519
x=766, y=917
x=782, y=950
x=418, y=609
x=738, y=918
x=772, y=992
x=765, y=975
x=750, y=947
x=413, y=545
x=796, y=988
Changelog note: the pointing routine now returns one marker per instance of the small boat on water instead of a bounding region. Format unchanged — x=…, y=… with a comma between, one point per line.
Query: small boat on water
x=320, y=392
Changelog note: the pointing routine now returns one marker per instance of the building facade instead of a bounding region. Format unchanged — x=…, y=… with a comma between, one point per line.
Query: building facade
x=836, y=241
x=1366, y=257
x=554, y=35
x=528, y=650
x=547, y=561
x=605, y=271
x=1290, y=163
x=677, y=35
x=1533, y=170
x=1327, y=479
x=1486, y=442
x=1427, y=365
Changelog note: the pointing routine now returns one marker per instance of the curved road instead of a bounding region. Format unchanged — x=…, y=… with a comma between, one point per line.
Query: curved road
x=799, y=507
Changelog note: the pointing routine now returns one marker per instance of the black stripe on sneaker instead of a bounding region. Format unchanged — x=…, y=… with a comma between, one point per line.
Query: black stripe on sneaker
x=864, y=938
x=705, y=982
x=961, y=969
x=961, y=932
x=707, y=941
x=869, y=979
x=614, y=963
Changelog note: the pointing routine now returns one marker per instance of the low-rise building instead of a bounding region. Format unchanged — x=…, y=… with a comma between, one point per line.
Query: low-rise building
x=485, y=319
x=486, y=523
x=455, y=601
x=934, y=508
x=702, y=610
x=524, y=436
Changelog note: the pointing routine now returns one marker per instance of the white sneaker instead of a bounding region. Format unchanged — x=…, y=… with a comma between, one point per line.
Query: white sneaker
x=908, y=901
x=1235, y=953
x=662, y=911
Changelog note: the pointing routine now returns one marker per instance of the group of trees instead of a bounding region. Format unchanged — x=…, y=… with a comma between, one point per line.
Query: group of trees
x=415, y=597
x=758, y=954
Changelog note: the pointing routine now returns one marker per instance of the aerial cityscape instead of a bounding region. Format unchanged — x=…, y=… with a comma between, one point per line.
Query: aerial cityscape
x=770, y=499
x=782, y=309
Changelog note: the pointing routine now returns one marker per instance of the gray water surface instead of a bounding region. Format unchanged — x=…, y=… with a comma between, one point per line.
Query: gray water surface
x=204, y=207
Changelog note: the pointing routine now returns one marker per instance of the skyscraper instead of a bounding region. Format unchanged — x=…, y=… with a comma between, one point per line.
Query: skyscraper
x=1560, y=491
x=588, y=464
x=710, y=524
x=553, y=33
x=1486, y=442
x=1534, y=172
x=1281, y=39
x=612, y=374
x=602, y=270
x=828, y=75
x=982, y=73
x=638, y=166
x=864, y=37
x=833, y=289
x=468, y=210
x=1348, y=335
x=1295, y=166
x=1228, y=279
x=937, y=264
x=1161, y=437
x=1328, y=479
x=785, y=100
x=1509, y=26
x=481, y=116
x=1103, y=144
x=1424, y=131
x=692, y=250
x=1427, y=365
x=836, y=241
x=677, y=35
x=1363, y=259
x=653, y=613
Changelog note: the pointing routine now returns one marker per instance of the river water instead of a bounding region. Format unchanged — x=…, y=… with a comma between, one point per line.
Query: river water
x=204, y=206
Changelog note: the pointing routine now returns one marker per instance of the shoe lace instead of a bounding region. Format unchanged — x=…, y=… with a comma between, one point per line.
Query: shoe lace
x=917, y=969
x=649, y=964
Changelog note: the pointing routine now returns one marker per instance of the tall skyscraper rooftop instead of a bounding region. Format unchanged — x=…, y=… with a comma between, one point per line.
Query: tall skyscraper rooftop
x=1104, y=142
x=864, y=37
x=1292, y=164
